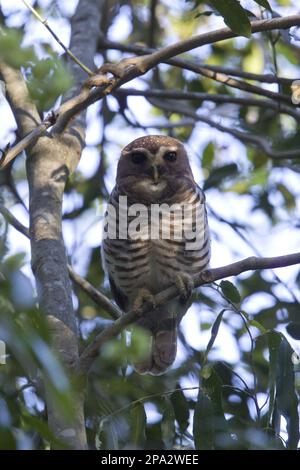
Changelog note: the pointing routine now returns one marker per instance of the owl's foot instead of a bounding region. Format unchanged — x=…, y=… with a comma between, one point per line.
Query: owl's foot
x=143, y=296
x=185, y=285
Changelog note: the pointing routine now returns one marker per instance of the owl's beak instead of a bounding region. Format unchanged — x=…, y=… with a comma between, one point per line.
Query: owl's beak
x=155, y=174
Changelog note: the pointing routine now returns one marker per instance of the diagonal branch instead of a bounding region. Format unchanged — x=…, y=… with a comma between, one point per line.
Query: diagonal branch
x=246, y=138
x=128, y=70
x=210, y=275
x=74, y=106
x=215, y=98
x=142, y=50
x=98, y=297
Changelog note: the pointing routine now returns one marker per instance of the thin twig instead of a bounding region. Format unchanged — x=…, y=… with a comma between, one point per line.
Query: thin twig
x=95, y=294
x=141, y=50
x=85, y=98
x=244, y=137
x=66, y=49
x=215, y=98
x=30, y=139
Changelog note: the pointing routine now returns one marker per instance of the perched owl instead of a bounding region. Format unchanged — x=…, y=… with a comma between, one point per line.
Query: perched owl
x=156, y=235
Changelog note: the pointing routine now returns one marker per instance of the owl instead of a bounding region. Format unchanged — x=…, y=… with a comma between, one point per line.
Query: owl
x=156, y=235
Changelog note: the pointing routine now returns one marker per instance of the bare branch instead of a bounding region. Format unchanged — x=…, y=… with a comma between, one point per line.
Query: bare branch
x=85, y=98
x=186, y=95
x=204, y=277
x=97, y=296
x=252, y=139
x=129, y=71
x=29, y=139
x=12, y=220
x=141, y=50
x=54, y=35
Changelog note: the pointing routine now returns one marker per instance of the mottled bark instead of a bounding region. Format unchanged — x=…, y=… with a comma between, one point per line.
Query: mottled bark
x=50, y=162
x=51, y=159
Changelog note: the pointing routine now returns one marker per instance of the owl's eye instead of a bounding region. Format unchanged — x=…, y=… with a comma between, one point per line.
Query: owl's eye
x=138, y=157
x=170, y=156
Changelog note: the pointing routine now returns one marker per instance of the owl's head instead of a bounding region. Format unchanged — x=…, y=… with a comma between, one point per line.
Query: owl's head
x=154, y=166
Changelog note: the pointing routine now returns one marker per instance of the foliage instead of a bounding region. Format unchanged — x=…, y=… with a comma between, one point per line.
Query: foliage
x=207, y=400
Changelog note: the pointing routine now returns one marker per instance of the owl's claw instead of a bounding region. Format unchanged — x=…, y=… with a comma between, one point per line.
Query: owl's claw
x=185, y=285
x=143, y=296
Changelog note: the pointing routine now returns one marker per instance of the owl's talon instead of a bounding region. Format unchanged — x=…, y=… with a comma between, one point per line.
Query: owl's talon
x=185, y=285
x=143, y=296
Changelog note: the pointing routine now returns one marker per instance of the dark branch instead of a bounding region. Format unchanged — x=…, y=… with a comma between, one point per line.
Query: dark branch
x=204, y=277
x=246, y=138
x=215, y=98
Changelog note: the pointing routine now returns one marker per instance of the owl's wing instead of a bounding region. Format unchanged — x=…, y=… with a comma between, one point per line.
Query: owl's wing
x=118, y=295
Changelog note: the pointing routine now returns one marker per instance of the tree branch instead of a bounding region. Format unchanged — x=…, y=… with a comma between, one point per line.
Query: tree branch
x=141, y=50
x=215, y=98
x=251, y=139
x=145, y=63
x=50, y=161
x=54, y=35
x=74, y=106
x=210, y=275
x=30, y=139
x=97, y=296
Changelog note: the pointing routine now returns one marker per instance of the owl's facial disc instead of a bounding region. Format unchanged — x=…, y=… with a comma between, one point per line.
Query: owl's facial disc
x=153, y=164
x=153, y=167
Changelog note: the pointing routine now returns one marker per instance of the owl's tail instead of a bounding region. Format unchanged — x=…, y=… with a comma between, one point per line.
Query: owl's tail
x=163, y=347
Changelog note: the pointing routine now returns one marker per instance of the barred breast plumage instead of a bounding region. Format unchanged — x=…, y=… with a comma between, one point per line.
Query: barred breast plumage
x=147, y=248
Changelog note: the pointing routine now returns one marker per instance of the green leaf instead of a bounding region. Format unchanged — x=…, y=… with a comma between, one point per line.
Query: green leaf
x=217, y=175
x=258, y=177
x=41, y=427
x=257, y=325
x=212, y=385
x=181, y=409
x=264, y=3
x=210, y=428
x=203, y=422
x=234, y=16
x=273, y=343
x=208, y=155
x=287, y=195
x=283, y=399
x=138, y=424
x=204, y=13
x=214, y=332
x=168, y=424
x=11, y=50
x=293, y=330
x=286, y=399
x=230, y=291
x=47, y=80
